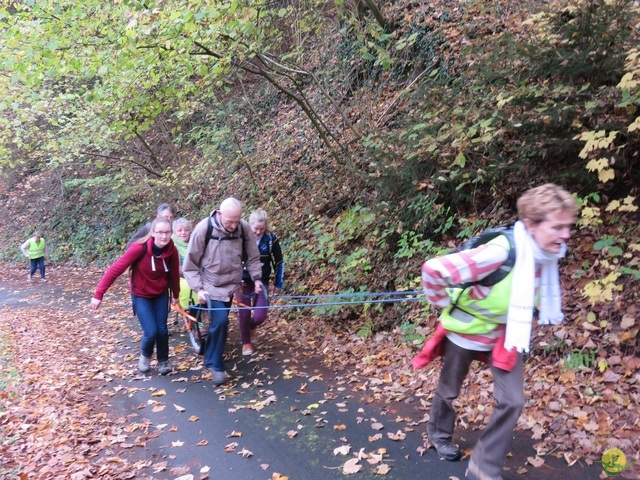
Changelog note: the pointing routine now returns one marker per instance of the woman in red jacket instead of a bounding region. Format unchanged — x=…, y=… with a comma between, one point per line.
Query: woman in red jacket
x=155, y=268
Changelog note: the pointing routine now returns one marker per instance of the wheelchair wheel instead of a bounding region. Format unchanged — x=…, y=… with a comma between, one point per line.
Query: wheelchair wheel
x=266, y=295
x=198, y=331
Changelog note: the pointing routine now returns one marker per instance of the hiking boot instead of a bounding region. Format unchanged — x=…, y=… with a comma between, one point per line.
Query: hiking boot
x=474, y=473
x=449, y=451
x=247, y=349
x=219, y=378
x=144, y=364
x=43, y=280
x=164, y=368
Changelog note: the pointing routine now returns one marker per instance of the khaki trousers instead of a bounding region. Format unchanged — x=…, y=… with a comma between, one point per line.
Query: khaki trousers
x=508, y=391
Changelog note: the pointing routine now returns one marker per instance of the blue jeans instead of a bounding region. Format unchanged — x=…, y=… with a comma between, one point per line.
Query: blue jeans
x=218, y=330
x=152, y=315
x=37, y=263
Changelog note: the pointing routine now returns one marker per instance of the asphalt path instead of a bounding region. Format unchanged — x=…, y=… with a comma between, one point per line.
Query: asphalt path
x=285, y=409
x=284, y=413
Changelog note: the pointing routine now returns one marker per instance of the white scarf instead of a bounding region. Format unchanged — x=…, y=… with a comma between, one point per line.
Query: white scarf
x=521, y=302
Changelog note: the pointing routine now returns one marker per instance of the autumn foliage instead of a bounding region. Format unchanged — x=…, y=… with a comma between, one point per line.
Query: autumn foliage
x=374, y=138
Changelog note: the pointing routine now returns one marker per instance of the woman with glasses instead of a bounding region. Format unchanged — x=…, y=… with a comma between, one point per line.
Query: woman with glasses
x=154, y=263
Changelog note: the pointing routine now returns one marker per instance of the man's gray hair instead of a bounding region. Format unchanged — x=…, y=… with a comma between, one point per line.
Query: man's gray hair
x=163, y=208
x=182, y=222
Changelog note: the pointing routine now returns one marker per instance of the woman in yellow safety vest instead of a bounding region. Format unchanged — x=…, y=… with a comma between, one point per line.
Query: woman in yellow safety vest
x=34, y=250
x=493, y=322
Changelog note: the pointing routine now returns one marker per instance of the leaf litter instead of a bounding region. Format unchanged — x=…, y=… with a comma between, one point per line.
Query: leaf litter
x=573, y=414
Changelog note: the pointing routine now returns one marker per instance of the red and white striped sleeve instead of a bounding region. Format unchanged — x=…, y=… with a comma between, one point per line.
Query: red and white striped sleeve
x=440, y=273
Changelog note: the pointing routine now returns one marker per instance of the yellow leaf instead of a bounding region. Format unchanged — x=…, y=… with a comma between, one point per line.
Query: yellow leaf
x=503, y=101
x=606, y=175
x=628, y=204
x=159, y=393
x=614, y=205
x=383, y=469
x=627, y=81
x=635, y=125
x=602, y=365
x=598, y=165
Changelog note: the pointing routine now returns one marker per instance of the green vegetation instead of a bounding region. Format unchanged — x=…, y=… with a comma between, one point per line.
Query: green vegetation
x=375, y=136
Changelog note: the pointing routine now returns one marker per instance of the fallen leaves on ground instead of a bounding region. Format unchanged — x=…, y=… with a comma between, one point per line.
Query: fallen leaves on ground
x=572, y=413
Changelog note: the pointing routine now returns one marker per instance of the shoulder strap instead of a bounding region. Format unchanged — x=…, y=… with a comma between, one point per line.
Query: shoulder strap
x=486, y=237
x=144, y=251
x=272, y=259
x=209, y=232
x=209, y=236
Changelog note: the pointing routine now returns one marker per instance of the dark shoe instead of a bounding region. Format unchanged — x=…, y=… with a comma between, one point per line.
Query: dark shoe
x=474, y=473
x=449, y=451
x=164, y=368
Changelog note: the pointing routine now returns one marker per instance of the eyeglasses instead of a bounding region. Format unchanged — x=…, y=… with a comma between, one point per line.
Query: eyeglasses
x=162, y=233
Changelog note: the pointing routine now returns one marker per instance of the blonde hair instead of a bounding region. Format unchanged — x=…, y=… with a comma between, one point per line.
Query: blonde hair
x=257, y=216
x=535, y=204
x=154, y=224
